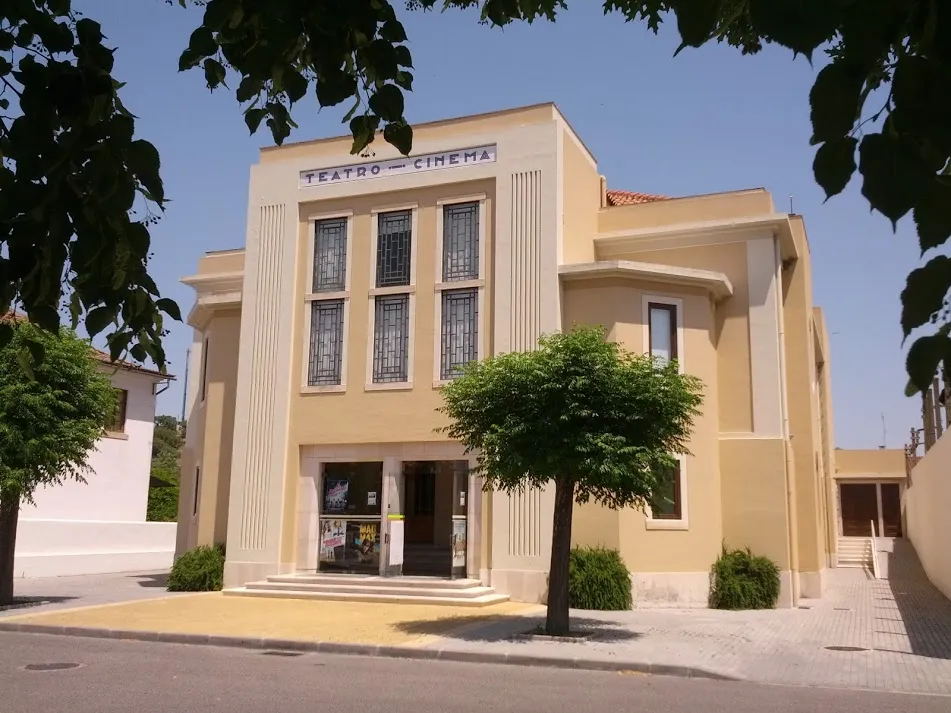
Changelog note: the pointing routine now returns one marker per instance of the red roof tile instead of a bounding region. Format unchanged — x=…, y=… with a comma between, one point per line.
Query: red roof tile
x=631, y=198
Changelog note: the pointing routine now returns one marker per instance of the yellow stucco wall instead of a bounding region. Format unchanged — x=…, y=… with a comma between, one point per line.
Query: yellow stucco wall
x=582, y=200
x=692, y=209
x=870, y=463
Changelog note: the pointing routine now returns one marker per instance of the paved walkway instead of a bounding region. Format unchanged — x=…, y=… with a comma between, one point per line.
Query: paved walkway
x=902, y=625
x=54, y=593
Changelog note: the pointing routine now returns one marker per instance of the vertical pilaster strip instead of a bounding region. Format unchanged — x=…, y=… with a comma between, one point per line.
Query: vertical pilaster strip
x=765, y=369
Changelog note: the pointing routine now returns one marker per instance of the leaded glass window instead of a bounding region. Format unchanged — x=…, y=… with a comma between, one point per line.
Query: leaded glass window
x=326, y=342
x=393, y=248
x=391, y=339
x=330, y=255
x=460, y=242
x=460, y=330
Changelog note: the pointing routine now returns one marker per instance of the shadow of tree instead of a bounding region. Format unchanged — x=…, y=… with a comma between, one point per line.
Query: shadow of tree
x=152, y=580
x=502, y=627
x=33, y=601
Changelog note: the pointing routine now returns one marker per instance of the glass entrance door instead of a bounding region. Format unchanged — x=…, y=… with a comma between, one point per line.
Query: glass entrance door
x=350, y=517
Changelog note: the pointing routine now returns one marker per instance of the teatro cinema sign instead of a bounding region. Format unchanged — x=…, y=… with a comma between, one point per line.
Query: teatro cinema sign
x=398, y=166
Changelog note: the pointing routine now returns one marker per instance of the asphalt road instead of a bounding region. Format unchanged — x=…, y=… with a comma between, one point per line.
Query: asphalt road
x=167, y=678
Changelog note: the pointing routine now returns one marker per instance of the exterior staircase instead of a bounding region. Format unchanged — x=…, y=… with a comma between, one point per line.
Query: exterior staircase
x=368, y=588
x=855, y=552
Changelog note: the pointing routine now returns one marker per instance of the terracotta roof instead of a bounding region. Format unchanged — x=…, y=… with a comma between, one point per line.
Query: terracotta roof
x=99, y=355
x=632, y=198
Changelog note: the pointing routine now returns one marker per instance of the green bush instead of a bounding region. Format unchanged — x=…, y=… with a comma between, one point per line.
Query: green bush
x=598, y=579
x=163, y=504
x=740, y=580
x=198, y=570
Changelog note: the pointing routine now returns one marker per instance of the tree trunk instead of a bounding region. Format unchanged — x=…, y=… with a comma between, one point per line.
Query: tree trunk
x=9, y=515
x=557, y=622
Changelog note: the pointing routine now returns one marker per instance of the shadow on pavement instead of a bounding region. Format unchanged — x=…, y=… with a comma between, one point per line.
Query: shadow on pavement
x=26, y=603
x=506, y=627
x=925, y=612
x=152, y=580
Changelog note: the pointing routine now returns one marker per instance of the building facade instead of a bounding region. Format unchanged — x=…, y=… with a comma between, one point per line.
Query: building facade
x=100, y=526
x=321, y=347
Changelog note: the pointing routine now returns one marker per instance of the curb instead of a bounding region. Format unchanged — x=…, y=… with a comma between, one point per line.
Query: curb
x=344, y=649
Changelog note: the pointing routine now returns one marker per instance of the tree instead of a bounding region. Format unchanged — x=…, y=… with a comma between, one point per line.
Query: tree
x=167, y=441
x=599, y=422
x=48, y=424
x=77, y=190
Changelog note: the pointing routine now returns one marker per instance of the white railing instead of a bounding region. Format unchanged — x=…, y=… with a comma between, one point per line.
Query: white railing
x=871, y=542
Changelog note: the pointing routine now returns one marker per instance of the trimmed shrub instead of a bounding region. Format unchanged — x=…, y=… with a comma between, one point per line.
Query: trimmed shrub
x=598, y=580
x=740, y=580
x=198, y=570
x=163, y=504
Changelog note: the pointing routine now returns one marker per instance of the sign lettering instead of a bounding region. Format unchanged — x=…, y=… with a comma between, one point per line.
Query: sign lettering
x=398, y=166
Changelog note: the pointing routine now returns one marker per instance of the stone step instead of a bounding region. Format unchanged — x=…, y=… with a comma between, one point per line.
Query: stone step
x=374, y=581
x=379, y=589
x=480, y=601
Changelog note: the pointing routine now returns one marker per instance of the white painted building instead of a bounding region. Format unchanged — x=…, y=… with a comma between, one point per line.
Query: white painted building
x=100, y=526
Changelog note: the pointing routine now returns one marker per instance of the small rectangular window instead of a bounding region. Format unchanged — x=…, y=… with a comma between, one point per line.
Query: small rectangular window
x=460, y=331
x=394, y=248
x=197, y=491
x=391, y=339
x=326, y=342
x=662, y=330
x=116, y=422
x=330, y=255
x=667, y=502
x=460, y=242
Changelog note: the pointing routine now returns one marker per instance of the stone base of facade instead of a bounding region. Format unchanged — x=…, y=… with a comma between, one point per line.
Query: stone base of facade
x=676, y=590
x=812, y=584
x=238, y=573
x=520, y=585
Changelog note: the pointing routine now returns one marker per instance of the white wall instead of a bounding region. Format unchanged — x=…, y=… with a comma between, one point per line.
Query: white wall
x=117, y=489
x=99, y=526
x=927, y=503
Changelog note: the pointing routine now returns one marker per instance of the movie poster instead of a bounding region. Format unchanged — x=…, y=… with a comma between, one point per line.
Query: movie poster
x=458, y=543
x=363, y=543
x=335, y=495
x=333, y=540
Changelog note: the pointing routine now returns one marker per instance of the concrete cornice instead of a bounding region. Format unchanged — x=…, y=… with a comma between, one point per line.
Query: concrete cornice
x=215, y=282
x=207, y=304
x=699, y=233
x=716, y=283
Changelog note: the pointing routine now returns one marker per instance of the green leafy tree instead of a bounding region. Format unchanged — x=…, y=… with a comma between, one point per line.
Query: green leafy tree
x=167, y=442
x=78, y=191
x=48, y=424
x=600, y=423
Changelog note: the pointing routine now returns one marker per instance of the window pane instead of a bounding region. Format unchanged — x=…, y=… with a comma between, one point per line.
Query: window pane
x=460, y=242
x=116, y=421
x=330, y=255
x=662, y=330
x=391, y=339
x=394, y=239
x=326, y=342
x=666, y=505
x=460, y=325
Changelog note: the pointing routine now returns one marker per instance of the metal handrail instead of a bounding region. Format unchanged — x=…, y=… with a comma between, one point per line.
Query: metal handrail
x=875, y=570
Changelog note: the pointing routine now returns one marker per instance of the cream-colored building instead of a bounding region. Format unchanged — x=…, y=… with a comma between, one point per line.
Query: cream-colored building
x=322, y=345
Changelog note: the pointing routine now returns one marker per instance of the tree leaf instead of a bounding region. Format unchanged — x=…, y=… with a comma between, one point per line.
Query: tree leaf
x=6, y=334
x=170, y=307
x=143, y=160
x=925, y=292
x=834, y=164
x=253, y=117
x=393, y=31
x=933, y=214
x=400, y=135
x=800, y=25
x=924, y=356
x=696, y=19
x=214, y=73
x=249, y=88
x=37, y=351
x=363, y=128
x=893, y=174
x=88, y=31
x=295, y=85
x=835, y=100
x=335, y=87
x=387, y=103
x=99, y=318
x=202, y=43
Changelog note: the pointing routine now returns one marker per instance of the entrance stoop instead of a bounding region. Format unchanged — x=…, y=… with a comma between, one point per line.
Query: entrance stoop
x=367, y=588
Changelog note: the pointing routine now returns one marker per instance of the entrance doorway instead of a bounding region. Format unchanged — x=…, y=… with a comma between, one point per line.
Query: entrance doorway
x=863, y=504
x=435, y=497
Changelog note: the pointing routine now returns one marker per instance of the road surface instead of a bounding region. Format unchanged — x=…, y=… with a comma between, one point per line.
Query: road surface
x=122, y=676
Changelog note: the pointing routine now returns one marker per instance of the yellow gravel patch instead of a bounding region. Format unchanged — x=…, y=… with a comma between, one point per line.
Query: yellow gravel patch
x=307, y=620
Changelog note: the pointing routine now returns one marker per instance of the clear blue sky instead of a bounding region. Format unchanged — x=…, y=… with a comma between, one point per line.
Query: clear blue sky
x=705, y=121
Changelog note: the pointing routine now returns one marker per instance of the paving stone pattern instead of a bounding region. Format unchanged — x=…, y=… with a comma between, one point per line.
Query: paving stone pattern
x=903, y=625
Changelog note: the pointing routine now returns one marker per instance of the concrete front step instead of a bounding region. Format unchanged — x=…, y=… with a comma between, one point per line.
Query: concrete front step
x=386, y=590
x=374, y=581
x=316, y=594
